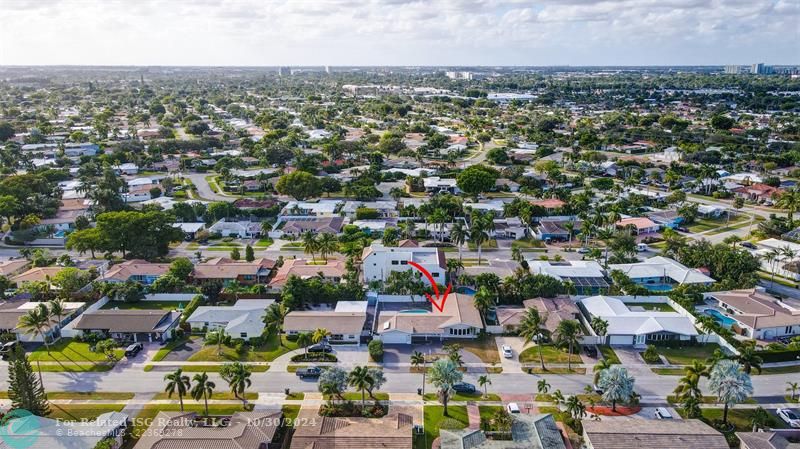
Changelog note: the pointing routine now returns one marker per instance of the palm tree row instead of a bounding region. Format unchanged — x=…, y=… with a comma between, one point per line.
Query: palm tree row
x=324, y=244
x=40, y=319
x=237, y=375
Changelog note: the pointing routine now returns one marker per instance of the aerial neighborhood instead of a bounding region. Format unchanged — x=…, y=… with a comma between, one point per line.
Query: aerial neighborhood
x=309, y=258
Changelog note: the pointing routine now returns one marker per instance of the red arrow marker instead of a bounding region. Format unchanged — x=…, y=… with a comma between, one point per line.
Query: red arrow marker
x=443, y=298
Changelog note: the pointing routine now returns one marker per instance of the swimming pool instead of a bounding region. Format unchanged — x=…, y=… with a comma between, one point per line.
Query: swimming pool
x=722, y=319
x=658, y=287
x=466, y=290
x=415, y=311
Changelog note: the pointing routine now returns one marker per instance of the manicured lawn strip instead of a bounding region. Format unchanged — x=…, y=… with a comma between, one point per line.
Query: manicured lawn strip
x=218, y=395
x=669, y=371
x=463, y=397
x=672, y=399
x=78, y=412
x=685, y=355
x=739, y=417
x=778, y=370
x=68, y=350
x=489, y=244
x=89, y=395
x=264, y=243
x=485, y=348
x=207, y=368
x=609, y=354
x=264, y=353
x=296, y=396
x=356, y=396
x=488, y=411
x=550, y=353
x=290, y=413
x=74, y=368
x=433, y=417
x=144, y=305
x=538, y=370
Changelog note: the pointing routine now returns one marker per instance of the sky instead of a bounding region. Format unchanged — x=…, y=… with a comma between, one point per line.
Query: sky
x=399, y=32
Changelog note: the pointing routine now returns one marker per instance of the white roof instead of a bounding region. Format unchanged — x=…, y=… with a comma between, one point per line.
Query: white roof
x=411, y=171
x=495, y=206
x=779, y=244
x=435, y=181
x=140, y=182
x=659, y=266
x=741, y=177
x=189, y=227
x=569, y=269
x=622, y=321
x=352, y=206
x=322, y=206
x=351, y=306
x=231, y=314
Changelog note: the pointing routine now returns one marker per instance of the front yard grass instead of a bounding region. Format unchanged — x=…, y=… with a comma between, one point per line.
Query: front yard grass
x=69, y=351
x=489, y=244
x=218, y=395
x=539, y=370
x=740, y=418
x=169, y=347
x=144, y=305
x=215, y=368
x=434, y=419
x=685, y=355
x=89, y=395
x=465, y=397
x=609, y=354
x=484, y=348
x=80, y=412
x=550, y=353
x=668, y=371
x=264, y=353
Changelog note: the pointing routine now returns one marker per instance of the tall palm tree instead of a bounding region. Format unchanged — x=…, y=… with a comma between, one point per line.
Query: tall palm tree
x=360, y=379
x=483, y=300
x=790, y=201
x=444, y=374
x=36, y=322
x=311, y=245
x=575, y=407
x=478, y=233
x=530, y=328
x=483, y=381
x=759, y=418
x=792, y=386
x=273, y=319
x=203, y=388
x=772, y=257
x=542, y=386
x=177, y=383
x=319, y=335
x=730, y=384
x=617, y=385
x=749, y=358
x=220, y=338
x=237, y=375
x=418, y=359
x=458, y=235
x=327, y=244
x=303, y=340
x=568, y=333
x=57, y=310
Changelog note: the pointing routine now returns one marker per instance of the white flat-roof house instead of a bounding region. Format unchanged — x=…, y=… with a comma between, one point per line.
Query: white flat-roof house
x=435, y=184
x=242, y=320
x=661, y=273
x=586, y=275
x=629, y=326
x=321, y=208
x=378, y=261
x=240, y=229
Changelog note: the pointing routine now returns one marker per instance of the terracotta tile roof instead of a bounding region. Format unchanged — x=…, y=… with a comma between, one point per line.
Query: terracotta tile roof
x=9, y=267
x=122, y=272
x=758, y=309
x=550, y=203
x=637, y=222
x=302, y=269
x=458, y=309
x=37, y=274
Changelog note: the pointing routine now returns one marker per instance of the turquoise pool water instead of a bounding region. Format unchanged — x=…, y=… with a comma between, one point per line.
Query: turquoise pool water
x=466, y=290
x=722, y=319
x=414, y=311
x=658, y=287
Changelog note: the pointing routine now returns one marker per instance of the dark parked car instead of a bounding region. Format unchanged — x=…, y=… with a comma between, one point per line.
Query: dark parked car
x=313, y=371
x=320, y=348
x=463, y=387
x=591, y=351
x=133, y=349
x=749, y=245
x=7, y=349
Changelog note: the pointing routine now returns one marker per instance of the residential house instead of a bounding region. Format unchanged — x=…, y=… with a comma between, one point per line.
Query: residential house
x=378, y=261
x=506, y=185
x=393, y=431
x=585, y=275
x=236, y=229
x=640, y=225
x=321, y=208
x=383, y=209
x=10, y=267
x=458, y=319
x=140, y=271
x=527, y=431
x=63, y=434
x=757, y=192
x=508, y=228
x=665, y=218
x=756, y=314
x=190, y=230
x=346, y=323
x=629, y=324
x=332, y=271
x=661, y=273
x=298, y=226
x=67, y=213
x=188, y=430
x=764, y=440
x=129, y=169
x=11, y=310
x=130, y=325
x=36, y=274
x=228, y=270
x=242, y=320
x=549, y=204
x=435, y=184
x=556, y=229
x=618, y=432
x=496, y=207
x=554, y=310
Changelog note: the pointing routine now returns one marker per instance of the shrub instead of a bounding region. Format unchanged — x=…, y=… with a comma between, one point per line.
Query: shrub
x=650, y=355
x=376, y=350
x=191, y=307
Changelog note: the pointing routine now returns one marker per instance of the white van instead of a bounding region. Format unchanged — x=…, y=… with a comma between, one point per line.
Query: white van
x=513, y=408
x=663, y=413
x=642, y=247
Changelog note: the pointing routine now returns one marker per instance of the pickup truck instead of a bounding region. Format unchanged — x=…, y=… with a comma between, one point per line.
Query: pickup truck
x=313, y=371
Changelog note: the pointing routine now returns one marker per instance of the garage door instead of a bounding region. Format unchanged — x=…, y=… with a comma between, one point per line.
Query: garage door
x=395, y=338
x=621, y=340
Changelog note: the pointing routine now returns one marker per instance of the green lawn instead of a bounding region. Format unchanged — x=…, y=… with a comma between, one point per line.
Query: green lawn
x=290, y=413
x=68, y=350
x=564, y=370
x=488, y=411
x=718, y=225
x=68, y=367
x=211, y=368
x=463, y=397
x=779, y=370
x=264, y=353
x=685, y=355
x=294, y=246
x=433, y=419
x=609, y=354
x=489, y=244
x=485, y=348
x=218, y=395
x=263, y=243
x=79, y=412
x=356, y=396
x=668, y=371
x=145, y=305
x=527, y=244
x=739, y=417
x=89, y=396
x=550, y=353
x=295, y=396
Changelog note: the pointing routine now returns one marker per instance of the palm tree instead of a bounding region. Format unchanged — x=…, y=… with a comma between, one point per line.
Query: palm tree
x=311, y=245
x=749, y=358
x=220, y=338
x=617, y=385
x=542, y=386
x=360, y=379
x=273, y=319
x=418, y=359
x=303, y=340
x=558, y=398
x=478, y=234
x=203, y=388
x=598, y=369
x=568, y=333
x=327, y=244
x=759, y=418
x=177, y=383
x=792, y=386
x=530, y=328
x=502, y=421
x=444, y=374
x=730, y=384
x=575, y=407
x=599, y=325
x=237, y=375
x=319, y=335
x=458, y=236
x=483, y=381
x=789, y=200
x=57, y=310
x=35, y=322
x=483, y=300
x=772, y=257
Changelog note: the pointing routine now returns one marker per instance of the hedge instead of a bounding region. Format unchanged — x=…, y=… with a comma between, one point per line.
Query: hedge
x=779, y=356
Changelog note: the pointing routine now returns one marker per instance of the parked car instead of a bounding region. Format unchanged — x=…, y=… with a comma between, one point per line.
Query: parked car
x=642, y=247
x=749, y=245
x=507, y=352
x=463, y=387
x=591, y=351
x=583, y=250
x=789, y=417
x=597, y=389
x=512, y=407
x=312, y=371
x=133, y=349
x=662, y=413
x=7, y=349
x=682, y=229
x=320, y=347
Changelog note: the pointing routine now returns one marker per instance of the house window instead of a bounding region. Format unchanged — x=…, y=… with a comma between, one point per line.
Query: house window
x=788, y=330
x=403, y=262
x=436, y=275
x=243, y=335
x=394, y=262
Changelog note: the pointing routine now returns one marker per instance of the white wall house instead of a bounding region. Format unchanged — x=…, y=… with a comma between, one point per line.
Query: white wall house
x=242, y=320
x=458, y=319
x=379, y=261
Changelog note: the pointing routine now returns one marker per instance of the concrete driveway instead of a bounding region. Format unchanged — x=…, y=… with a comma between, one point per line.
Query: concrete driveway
x=517, y=344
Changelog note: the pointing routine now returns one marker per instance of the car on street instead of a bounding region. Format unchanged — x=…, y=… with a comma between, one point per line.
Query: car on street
x=591, y=351
x=749, y=245
x=513, y=408
x=789, y=416
x=463, y=387
x=311, y=371
x=662, y=413
x=7, y=349
x=133, y=349
x=507, y=352
x=583, y=250
x=320, y=347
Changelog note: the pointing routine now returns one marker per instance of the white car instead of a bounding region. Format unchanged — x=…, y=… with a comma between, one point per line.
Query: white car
x=507, y=352
x=789, y=417
x=662, y=413
x=513, y=408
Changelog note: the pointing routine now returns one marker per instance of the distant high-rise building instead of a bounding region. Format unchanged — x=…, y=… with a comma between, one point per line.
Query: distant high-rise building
x=327, y=69
x=459, y=75
x=761, y=69
x=733, y=69
x=284, y=71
